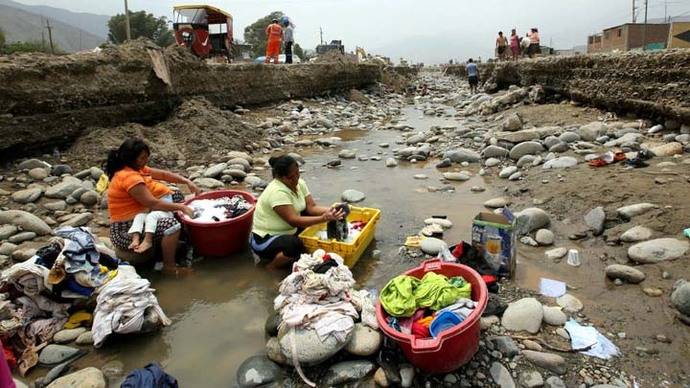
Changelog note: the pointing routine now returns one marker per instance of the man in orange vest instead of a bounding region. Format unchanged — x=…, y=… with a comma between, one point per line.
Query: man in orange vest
x=274, y=32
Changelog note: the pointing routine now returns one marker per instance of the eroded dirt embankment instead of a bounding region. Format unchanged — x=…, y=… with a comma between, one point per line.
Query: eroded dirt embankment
x=47, y=101
x=653, y=85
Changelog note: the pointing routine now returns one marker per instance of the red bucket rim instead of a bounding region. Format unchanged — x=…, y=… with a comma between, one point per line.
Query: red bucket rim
x=217, y=194
x=435, y=343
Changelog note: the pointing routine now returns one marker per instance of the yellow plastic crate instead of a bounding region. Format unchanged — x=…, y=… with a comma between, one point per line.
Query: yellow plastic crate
x=350, y=252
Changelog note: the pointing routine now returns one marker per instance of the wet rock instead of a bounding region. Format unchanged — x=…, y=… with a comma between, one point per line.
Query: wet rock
x=311, y=351
x=347, y=371
x=113, y=370
x=274, y=353
x=680, y=297
x=525, y=314
x=548, y=361
x=512, y=123
x=347, y=154
x=235, y=173
x=531, y=219
x=570, y=304
x=258, y=371
x=501, y=375
x=450, y=379
x=86, y=378
x=554, y=382
x=668, y=149
x=380, y=378
x=445, y=163
x=55, y=354
x=559, y=147
x=507, y=172
x=38, y=174
x=494, y=152
x=215, y=171
x=21, y=237
x=631, y=211
x=595, y=220
x=554, y=316
x=26, y=221
x=562, y=162
x=60, y=169
x=545, y=237
x=443, y=222
x=31, y=164
x=56, y=206
x=365, y=341
x=456, y=176
x=406, y=375
x=526, y=148
x=352, y=196
x=84, y=339
x=209, y=183
x=391, y=162
x=625, y=273
x=78, y=220
x=531, y=379
x=497, y=203
x=492, y=162
x=592, y=131
x=506, y=346
x=420, y=176
x=527, y=240
x=272, y=323
x=63, y=189
x=89, y=198
x=432, y=246
x=27, y=195
x=68, y=335
x=658, y=250
x=462, y=155
x=569, y=137
x=526, y=160
x=6, y=231
x=255, y=182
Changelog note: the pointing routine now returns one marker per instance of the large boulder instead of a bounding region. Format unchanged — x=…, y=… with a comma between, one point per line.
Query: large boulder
x=681, y=296
x=668, y=149
x=637, y=233
x=528, y=134
x=209, y=183
x=32, y=163
x=63, y=189
x=493, y=151
x=462, y=155
x=216, y=170
x=526, y=148
x=637, y=209
x=625, y=273
x=595, y=220
x=310, y=349
x=26, y=221
x=365, y=341
x=353, y=196
x=55, y=354
x=592, y=131
x=523, y=315
x=86, y=378
x=531, y=219
x=27, y=195
x=655, y=251
x=512, y=123
x=258, y=371
x=347, y=371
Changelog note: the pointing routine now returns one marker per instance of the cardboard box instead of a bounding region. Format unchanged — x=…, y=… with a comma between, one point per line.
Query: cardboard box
x=494, y=237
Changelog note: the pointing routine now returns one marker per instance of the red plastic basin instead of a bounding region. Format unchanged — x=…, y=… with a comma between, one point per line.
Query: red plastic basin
x=220, y=239
x=453, y=347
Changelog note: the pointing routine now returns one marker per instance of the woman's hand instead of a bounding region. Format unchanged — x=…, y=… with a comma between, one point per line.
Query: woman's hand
x=187, y=210
x=193, y=188
x=333, y=214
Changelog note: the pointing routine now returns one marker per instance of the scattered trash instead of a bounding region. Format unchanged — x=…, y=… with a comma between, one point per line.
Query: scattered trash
x=414, y=241
x=686, y=232
x=493, y=235
x=552, y=288
x=588, y=337
x=608, y=158
x=639, y=160
x=574, y=258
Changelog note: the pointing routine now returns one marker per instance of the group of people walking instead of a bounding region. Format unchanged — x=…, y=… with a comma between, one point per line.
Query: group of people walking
x=279, y=32
x=519, y=46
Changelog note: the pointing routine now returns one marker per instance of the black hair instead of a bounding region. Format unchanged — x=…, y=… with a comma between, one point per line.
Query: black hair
x=125, y=156
x=470, y=61
x=500, y=32
x=280, y=165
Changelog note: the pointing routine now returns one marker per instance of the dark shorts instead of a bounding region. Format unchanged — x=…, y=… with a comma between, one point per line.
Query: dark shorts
x=533, y=49
x=501, y=49
x=473, y=80
x=289, y=244
x=119, y=231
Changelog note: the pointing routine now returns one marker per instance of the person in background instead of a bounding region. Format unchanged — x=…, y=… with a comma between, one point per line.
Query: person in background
x=534, y=42
x=501, y=45
x=274, y=34
x=472, y=75
x=289, y=39
x=285, y=207
x=515, y=44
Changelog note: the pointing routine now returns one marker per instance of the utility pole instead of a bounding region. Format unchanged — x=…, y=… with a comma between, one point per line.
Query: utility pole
x=644, y=30
x=50, y=36
x=634, y=10
x=321, y=34
x=127, y=26
x=43, y=36
x=665, y=11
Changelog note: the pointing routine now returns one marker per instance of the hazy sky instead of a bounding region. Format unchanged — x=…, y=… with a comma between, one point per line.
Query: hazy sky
x=430, y=31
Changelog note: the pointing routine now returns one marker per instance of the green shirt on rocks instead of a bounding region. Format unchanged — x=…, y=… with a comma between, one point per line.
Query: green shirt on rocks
x=266, y=220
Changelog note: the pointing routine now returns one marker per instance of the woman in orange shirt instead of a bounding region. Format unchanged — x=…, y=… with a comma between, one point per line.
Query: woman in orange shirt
x=135, y=188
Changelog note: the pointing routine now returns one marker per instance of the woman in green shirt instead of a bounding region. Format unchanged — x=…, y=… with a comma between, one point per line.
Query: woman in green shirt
x=284, y=208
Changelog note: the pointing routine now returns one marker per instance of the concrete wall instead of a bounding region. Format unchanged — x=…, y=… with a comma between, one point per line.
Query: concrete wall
x=656, y=33
x=653, y=85
x=615, y=39
x=47, y=101
x=677, y=29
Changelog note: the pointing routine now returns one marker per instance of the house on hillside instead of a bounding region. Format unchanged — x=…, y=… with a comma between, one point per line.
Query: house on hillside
x=655, y=35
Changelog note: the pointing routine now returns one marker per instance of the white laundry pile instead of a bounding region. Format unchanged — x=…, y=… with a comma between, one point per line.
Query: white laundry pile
x=122, y=303
x=352, y=234
x=325, y=302
x=219, y=209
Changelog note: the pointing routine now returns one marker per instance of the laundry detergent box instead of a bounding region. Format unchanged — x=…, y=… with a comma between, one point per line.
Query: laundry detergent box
x=494, y=236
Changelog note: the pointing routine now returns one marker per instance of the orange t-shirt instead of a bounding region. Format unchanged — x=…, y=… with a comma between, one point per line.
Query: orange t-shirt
x=121, y=205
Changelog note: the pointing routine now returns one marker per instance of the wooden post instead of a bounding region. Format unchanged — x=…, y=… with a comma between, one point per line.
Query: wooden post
x=50, y=36
x=127, y=25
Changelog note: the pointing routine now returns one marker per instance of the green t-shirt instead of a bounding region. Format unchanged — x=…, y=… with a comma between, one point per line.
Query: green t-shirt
x=266, y=220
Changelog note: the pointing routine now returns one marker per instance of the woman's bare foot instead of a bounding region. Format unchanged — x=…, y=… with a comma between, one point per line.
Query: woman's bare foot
x=143, y=247
x=135, y=242
x=177, y=271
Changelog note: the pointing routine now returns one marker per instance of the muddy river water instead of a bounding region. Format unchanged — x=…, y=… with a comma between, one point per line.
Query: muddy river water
x=219, y=312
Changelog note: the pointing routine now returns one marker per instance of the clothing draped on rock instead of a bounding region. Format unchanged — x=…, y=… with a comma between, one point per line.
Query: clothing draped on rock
x=325, y=302
x=121, y=305
x=403, y=295
x=152, y=375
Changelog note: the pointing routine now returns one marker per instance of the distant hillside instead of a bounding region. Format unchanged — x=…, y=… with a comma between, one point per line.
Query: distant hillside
x=20, y=25
x=92, y=23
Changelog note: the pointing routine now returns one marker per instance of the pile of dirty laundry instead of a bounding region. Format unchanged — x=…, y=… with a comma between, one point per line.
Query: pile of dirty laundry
x=343, y=231
x=426, y=307
x=55, y=290
x=219, y=209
